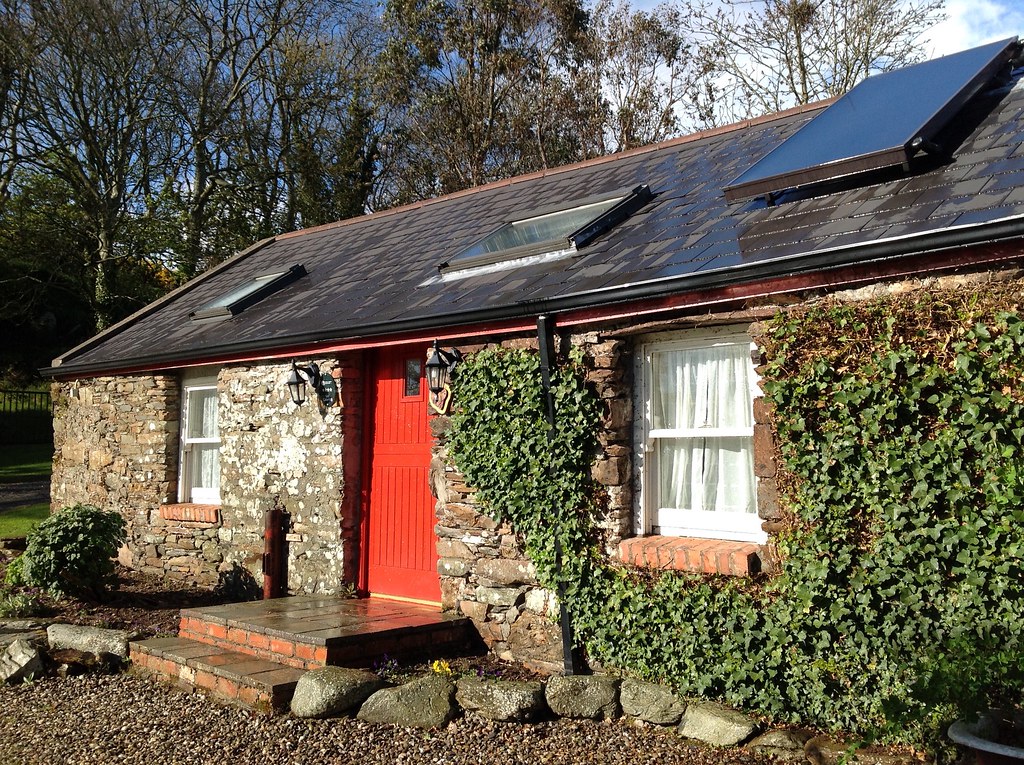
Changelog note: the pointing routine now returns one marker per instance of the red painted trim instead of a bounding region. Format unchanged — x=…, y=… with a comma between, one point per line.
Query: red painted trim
x=444, y=334
x=369, y=371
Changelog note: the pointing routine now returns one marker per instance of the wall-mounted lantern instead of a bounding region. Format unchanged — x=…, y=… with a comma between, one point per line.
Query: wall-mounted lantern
x=439, y=368
x=323, y=384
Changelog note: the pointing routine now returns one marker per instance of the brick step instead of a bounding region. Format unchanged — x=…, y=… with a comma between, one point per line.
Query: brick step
x=306, y=631
x=239, y=678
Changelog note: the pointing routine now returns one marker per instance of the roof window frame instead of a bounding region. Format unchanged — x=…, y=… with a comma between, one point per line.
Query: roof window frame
x=626, y=203
x=259, y=287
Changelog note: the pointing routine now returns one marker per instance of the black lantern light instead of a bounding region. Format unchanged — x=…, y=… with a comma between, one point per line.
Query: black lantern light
x=439, y=367
x=324, y=385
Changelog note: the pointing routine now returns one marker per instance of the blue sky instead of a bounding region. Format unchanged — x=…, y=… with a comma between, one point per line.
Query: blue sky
x=975, y=22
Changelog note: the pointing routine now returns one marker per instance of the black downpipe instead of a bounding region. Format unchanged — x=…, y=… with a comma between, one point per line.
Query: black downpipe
x=571, y=659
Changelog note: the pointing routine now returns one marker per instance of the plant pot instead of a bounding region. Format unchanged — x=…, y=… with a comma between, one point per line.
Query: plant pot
x=984, y=737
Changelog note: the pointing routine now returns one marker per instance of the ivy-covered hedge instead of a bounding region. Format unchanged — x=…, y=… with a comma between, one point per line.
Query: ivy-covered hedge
x=900, y=600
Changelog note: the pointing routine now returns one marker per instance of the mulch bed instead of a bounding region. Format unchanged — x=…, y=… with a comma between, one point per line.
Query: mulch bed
x=141, y=603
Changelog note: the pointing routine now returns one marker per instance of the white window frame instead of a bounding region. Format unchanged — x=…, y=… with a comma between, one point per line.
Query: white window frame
x=686, y=522
x=194, y=382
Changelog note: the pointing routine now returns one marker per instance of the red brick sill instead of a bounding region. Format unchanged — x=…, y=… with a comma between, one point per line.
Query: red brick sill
x=191, y=512
x=707, y=556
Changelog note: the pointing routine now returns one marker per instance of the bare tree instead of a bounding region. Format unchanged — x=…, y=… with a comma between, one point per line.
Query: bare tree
x=766, y=55
x=487, y=91
x=223, y=44
x=647, y=68
x=16, y=55
x=93, y=96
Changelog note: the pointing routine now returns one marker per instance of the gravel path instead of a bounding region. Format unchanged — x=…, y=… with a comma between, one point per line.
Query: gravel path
x=129, y=719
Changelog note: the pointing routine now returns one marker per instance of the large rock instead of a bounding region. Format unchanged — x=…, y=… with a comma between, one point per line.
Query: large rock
x=592, y=697
x=8, y=626
x=21, y=629
x=650, y=702
x=427, y=702
x=502, y=597
x=823, y=750
x=90, y=639
x=71, y=662
x=783, y=744
x=503, y=700
x=503, y=572
x=20, y=661
x=715, y=724
x=333, y=691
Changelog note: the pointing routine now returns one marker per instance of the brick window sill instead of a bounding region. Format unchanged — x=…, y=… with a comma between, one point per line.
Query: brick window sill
x=707, y=556
x=190, y=512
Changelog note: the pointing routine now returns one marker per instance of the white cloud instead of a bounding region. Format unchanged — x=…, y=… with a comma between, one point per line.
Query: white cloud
x=970, y=23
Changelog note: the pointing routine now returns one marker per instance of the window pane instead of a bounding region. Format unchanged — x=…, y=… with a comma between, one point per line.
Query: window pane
x=205, y=466
x=413, y=374
x=238, y=293
x=713, y=474
x=202, y=413
x=702, y=388
x=539, y=229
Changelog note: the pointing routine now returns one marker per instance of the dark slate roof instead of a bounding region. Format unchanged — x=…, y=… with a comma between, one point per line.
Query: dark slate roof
x=377, y=275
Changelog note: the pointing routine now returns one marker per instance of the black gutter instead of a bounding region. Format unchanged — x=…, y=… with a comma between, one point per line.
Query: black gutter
x=799, y=264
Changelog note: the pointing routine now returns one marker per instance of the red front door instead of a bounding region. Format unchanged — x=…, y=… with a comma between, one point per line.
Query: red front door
x=400, y=550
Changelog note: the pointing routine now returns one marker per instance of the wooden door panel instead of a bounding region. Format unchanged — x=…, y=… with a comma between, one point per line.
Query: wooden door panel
x=401, y=545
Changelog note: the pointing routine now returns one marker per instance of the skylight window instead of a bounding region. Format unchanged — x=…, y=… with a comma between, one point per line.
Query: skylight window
x=550, y=231
x=238, y=299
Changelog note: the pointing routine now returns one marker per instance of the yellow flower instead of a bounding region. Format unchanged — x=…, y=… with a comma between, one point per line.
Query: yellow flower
x=441, y=667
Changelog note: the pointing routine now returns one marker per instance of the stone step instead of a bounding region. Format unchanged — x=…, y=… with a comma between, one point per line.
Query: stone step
x=239, y=678
x=307, y=632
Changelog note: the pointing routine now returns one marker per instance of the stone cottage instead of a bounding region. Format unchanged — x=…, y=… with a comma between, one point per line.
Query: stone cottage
x=660, y=263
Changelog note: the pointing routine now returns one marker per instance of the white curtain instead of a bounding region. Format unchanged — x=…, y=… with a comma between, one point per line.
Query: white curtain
x=206, y=466
x=704, y=388
x=202, y=411
x=202, y=415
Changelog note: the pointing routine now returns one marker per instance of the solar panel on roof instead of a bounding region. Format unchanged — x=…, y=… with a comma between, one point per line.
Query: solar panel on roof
x=882, y=122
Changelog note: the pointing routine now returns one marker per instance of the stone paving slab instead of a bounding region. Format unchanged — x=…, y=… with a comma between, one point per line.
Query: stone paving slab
x=266, y=676
x=323, y=621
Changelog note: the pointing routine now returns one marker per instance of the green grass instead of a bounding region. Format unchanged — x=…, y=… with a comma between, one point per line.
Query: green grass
x=25, y=462
x=19, y=521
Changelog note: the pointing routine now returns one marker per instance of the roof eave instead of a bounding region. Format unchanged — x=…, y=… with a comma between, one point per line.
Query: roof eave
x=803, y=264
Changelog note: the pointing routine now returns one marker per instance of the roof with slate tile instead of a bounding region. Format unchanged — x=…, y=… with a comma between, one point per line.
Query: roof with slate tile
x=377, y=276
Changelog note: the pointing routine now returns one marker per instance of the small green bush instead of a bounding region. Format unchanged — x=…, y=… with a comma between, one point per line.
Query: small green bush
x=15, y=575
x=19, y=604
x=71, y=552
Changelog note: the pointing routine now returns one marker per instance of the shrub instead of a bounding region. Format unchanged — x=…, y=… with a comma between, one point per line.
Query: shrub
x=19, y=604
x=72, y=551
x=899, y=604
x=15, y=575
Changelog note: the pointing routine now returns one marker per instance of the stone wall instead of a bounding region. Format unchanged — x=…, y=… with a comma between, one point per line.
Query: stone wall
x=274, y=451
x=116, y=447
x=484, y=571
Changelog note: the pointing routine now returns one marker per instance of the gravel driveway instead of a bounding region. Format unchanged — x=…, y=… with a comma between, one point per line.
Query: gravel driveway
x=129, y=719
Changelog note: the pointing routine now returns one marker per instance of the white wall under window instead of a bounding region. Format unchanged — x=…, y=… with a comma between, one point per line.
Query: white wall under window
x=694, y=435
x=199, y=479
